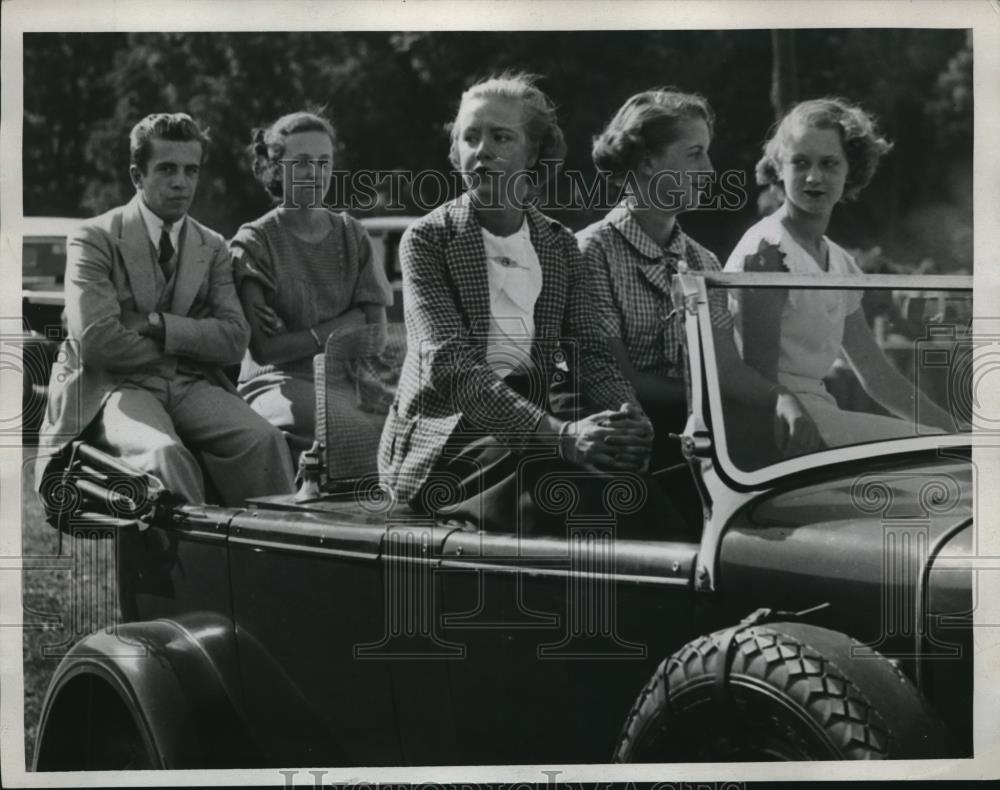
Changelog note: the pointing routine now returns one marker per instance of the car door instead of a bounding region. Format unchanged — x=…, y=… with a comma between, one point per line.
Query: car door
x=559, y=634
x=307, y=591
x=411, y=647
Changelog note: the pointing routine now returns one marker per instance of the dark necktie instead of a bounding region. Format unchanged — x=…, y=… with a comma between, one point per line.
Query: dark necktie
x=166, y=252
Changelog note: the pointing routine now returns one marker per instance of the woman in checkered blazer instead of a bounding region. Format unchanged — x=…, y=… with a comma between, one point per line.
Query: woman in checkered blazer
x=657, y=143
x=497, y=307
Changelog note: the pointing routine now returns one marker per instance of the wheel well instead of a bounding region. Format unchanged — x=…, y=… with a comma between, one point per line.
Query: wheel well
x=89, y=727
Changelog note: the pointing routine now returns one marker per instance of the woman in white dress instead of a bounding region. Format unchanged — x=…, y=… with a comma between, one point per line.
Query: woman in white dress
x=823, y=151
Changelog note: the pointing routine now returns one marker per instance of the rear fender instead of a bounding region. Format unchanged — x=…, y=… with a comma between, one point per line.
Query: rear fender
x=168, y=677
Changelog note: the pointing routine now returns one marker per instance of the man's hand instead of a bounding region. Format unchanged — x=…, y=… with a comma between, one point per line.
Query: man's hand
x=139, y=322
x=795, y=433
x=136, y=322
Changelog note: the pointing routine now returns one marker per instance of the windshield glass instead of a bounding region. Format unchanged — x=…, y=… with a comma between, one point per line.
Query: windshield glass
x=803, y=370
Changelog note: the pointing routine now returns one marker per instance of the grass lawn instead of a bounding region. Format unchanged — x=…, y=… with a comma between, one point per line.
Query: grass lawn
x=65, y=597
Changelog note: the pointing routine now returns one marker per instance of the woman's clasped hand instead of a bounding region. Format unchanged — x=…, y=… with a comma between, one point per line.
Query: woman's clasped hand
x=609, y=440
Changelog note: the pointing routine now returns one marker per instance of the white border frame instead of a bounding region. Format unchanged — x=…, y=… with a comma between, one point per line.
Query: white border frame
x=983, y=16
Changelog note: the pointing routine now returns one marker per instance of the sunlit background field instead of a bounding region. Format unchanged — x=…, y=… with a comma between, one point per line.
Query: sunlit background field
x=65, y=596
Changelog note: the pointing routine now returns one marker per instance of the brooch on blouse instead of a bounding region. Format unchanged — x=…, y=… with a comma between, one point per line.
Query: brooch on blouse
x=507, y=263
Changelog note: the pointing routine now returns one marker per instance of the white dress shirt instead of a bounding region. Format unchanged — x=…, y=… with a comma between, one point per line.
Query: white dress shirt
x=154, y=227
x=515, y=280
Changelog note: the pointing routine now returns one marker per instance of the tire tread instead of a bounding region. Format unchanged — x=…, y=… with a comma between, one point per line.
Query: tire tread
x=851, y=722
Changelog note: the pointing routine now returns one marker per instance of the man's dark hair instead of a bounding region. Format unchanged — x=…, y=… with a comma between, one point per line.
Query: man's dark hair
x=178, y=127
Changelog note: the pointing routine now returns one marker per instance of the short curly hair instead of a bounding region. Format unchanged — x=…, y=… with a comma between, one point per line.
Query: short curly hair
x=646, y=124
x=540, y=124
x=863, y=143
x=268, y=146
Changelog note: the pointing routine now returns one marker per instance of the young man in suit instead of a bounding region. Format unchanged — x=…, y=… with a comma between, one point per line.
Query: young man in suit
x=153, y=314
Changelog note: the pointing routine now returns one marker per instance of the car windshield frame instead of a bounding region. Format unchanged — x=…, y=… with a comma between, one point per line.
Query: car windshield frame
x=695, y=288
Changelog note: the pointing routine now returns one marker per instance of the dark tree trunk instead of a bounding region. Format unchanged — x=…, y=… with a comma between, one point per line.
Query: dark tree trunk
x=784, y=71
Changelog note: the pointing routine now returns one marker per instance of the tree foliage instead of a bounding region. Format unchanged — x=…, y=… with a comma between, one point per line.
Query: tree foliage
x=391, y=96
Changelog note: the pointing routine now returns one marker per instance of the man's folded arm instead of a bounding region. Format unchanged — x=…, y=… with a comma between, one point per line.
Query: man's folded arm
x=93, y=312
x=222, y=334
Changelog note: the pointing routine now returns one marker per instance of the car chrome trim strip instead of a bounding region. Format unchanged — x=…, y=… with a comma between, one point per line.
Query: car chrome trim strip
x=534, y=570
x=203, y=522
x=855, y=282
x=301, y=548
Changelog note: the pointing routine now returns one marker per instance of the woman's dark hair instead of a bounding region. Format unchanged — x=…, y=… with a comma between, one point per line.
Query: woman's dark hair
x=268, y=146
x=646, y=124
x=863, y=143
x=540, y=125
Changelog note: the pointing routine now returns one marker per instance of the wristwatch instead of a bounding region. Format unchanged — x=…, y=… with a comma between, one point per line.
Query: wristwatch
x=155, y=321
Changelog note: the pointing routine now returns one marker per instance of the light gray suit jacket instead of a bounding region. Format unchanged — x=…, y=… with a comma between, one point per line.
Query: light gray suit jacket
x=110, y=270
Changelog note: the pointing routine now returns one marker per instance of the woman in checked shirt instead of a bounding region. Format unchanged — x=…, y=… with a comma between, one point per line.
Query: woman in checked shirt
x=657, y=146
x=492, y=290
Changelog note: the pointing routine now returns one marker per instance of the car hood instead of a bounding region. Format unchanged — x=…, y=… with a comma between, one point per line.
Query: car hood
x=936, y=492
x=853, y=539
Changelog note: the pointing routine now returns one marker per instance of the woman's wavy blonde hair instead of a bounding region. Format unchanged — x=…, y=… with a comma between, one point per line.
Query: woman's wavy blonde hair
x=863, y=143
x=540, y=125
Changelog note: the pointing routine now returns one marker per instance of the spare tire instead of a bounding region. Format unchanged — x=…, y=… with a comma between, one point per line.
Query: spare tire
x=787, y=691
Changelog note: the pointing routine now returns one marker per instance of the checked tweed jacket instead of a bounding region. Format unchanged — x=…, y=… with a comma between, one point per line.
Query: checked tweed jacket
x=445, y=374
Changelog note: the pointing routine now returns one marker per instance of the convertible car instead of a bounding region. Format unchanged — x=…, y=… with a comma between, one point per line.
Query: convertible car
x=823, y=612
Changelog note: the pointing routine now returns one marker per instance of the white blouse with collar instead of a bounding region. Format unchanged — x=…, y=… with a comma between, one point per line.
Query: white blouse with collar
x=515, y=280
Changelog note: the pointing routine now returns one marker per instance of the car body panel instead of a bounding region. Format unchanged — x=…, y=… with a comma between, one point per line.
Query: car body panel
x=306, y=591
x=558, y=635
x=174, y=568
x=945, y=670
x=852, y=548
